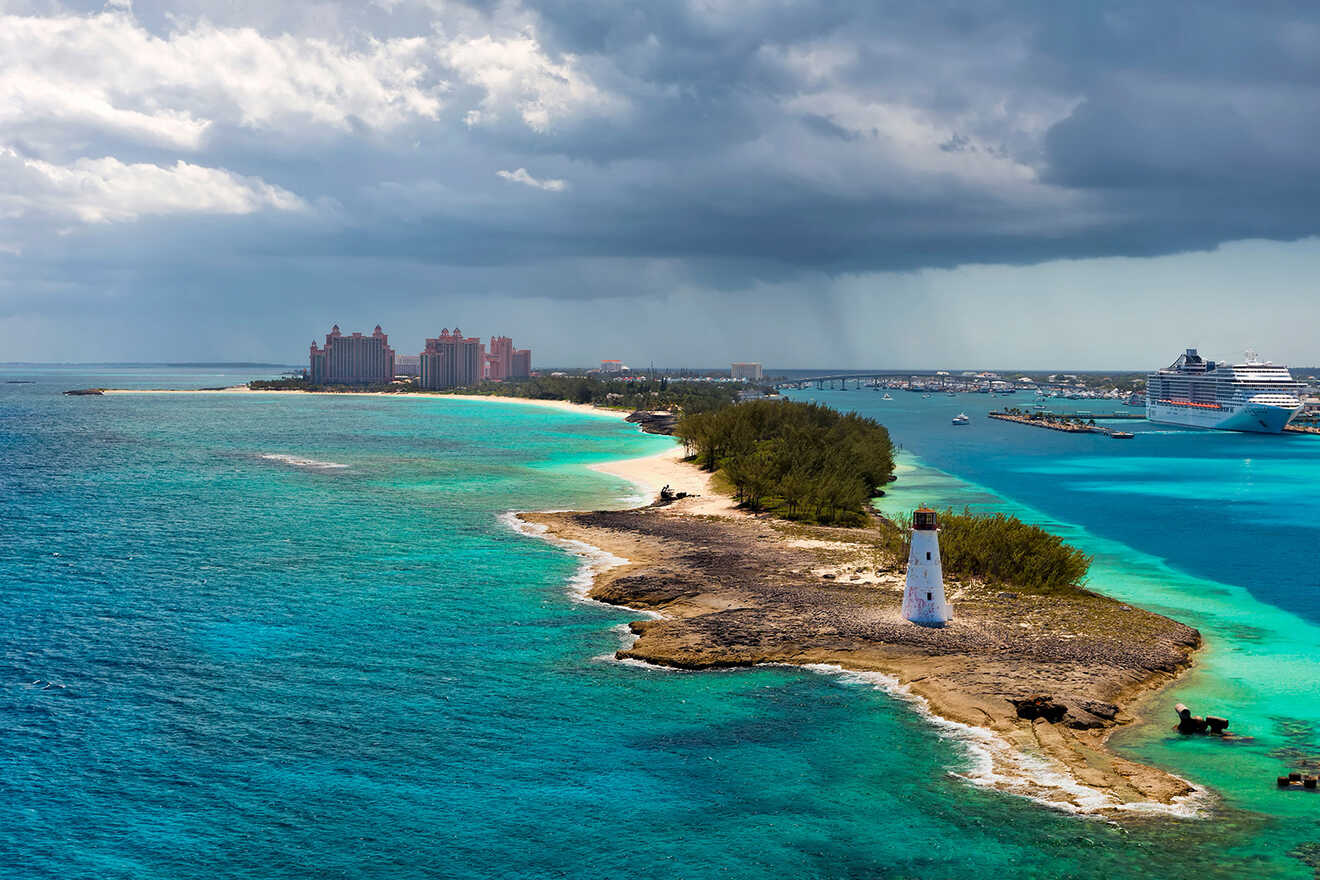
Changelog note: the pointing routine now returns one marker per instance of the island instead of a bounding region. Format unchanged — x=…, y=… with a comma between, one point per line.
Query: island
x=1036, y=678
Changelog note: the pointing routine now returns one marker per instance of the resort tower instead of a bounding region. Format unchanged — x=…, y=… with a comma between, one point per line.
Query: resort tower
x=352, y=360
x=451, y=360
x=923, y=596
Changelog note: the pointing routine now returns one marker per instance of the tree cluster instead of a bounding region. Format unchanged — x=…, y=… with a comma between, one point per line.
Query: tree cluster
x=800, y=460
x=1003, y=549
x=634, y=392
x=302, y=383
x=638, y=392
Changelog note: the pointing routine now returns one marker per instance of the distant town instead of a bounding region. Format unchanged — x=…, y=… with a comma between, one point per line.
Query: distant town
x=448, y=361
x=452, y=361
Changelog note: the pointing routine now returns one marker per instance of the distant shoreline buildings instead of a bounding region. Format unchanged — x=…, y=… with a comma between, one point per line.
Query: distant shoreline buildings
x=352, y=360
x=506, y=362
x=748, y=371
x=450, y=360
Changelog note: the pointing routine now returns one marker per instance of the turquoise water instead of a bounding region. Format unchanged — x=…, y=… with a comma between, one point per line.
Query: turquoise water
x=1219, y=530
x=278, y=636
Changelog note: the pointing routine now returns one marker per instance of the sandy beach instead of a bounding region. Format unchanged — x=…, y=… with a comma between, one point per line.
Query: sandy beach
x=731, y=589
x=582, y=408
x=653, y=472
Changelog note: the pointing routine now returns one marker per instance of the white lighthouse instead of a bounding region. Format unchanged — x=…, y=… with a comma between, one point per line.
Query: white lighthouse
x=923, y=597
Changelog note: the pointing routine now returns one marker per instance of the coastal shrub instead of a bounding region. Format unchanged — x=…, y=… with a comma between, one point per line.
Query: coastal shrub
x=633, y=392
x=301, y=383
x=799, y=460
x=1003, y=549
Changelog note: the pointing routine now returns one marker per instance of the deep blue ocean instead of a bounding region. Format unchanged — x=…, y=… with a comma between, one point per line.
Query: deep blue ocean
x=291, y=636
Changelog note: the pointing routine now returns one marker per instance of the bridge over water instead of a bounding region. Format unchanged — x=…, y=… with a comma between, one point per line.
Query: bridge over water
x=842, y=379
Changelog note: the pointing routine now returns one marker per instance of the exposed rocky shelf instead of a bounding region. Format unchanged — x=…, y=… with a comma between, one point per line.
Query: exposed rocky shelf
x=1052, y=674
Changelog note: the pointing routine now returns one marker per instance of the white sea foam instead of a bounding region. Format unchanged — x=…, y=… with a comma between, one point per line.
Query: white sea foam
x=299, y=462
x=593, y=559
x=593, y=562
x=995, y=763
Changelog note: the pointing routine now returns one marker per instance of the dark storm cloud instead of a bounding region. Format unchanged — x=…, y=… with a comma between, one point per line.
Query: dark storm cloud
x=738, y=142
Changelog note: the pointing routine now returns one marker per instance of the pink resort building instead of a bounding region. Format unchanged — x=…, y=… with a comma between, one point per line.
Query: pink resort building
x=499, y=359
x=522, y=364
x=503, y=361
x=352, y=360
x=452, y=361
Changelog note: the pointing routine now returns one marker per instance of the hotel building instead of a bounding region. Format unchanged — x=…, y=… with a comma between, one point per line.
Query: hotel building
x=452, y=361
x=503, y=361
x=407, y=365
x=499, y=359
x=750, y=372
x=522, y=364
x=352, y=360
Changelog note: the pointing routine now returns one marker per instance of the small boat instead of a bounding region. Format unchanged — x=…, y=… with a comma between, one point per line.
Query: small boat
x=925, y=397
x=962, y=419
x=886, y=397
x=952, y=394
x=1121, y=435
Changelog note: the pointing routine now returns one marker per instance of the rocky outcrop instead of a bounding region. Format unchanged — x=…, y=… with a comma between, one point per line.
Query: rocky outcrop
x=1040, y=707
x=654, y=421
x=1049, y=673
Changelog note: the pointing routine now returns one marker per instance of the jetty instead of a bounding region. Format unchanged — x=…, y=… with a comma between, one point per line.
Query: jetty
x=1069, y=424
x=1305, y=428
x=1116, y=415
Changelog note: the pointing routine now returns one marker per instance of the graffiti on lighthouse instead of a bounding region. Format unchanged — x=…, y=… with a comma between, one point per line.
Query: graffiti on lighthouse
x=923, y=596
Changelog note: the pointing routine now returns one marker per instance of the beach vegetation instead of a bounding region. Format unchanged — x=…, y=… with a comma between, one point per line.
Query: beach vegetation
x=1002, y=549
x=797, y=460
x=302, y=383
x=630, y=392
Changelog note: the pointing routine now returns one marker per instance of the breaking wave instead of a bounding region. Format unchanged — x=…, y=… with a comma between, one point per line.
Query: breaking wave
x=300, y=462
x=996, y=763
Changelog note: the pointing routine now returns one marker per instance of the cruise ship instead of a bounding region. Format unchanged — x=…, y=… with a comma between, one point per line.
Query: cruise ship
x=1252, y=396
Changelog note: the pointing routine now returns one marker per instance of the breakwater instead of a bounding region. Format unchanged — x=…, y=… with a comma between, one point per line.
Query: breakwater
x=1054, y=422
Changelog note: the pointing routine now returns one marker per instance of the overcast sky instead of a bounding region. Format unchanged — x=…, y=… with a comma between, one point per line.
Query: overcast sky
x=805, y=184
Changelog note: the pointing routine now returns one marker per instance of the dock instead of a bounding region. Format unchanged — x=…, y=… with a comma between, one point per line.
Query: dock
x=1068, y=424
x=1084, y=414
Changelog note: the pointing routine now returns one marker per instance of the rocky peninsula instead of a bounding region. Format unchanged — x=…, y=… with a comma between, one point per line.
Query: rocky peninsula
x=1039, y=681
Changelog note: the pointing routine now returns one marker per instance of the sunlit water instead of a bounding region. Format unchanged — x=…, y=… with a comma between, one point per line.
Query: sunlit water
x=286, y=636
x=1219, y=530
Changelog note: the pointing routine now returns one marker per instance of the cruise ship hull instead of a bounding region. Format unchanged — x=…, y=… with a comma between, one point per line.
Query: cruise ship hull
x=1257, y=418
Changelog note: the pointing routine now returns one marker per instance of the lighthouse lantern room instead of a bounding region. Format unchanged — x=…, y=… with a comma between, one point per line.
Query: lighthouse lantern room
x=923, y=596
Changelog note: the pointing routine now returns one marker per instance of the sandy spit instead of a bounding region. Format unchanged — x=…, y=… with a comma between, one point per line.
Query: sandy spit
x=564, y=405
